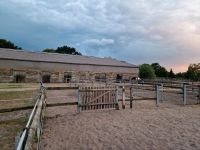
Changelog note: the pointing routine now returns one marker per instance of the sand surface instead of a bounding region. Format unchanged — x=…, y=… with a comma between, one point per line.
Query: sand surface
x=143, y=127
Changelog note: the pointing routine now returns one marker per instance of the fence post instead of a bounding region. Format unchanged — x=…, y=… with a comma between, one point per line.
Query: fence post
x=184, y=94
x=123, y=97
x=157, y=94
x=198, y=101
x=161, y=92
x=116, y=100
x=192, y=87
x=79, y=101
x=131, y=98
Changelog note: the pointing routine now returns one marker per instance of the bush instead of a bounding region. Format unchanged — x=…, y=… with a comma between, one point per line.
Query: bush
x=146, y=71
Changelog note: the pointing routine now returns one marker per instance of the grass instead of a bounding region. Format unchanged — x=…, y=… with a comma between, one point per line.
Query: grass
x=12, y=99
x=9, y=95
x=14, y=95
x=18, y=85
x=9, y=130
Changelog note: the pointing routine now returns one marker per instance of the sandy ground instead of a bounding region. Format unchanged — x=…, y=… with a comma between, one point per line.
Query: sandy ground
x=14, y=115
x=143, y=127
x=61, y=96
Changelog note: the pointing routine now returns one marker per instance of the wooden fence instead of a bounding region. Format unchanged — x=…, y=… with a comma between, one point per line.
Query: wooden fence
x=30, y=137
x=180, y=94
x=90, y=98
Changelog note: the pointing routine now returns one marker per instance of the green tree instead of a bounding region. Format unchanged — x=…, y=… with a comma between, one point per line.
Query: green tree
x=67, y=50
x=146, y=71
x=63, y=50
x=171, y=74
x=193, y=72
x=159, y=70
x=8, y=44
x=49, y=50
x=181, y=75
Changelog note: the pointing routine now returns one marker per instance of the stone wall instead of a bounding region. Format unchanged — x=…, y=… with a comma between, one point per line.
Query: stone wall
x=6, y=75
x=33, y=75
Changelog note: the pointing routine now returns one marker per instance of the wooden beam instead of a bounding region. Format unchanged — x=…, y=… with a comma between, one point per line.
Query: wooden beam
x=90, y=90
x=61, y=88
x=62, y=104
x=136, y=99
x=93, y=100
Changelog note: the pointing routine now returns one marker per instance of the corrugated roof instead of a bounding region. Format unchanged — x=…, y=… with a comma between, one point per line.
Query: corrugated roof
x=61, y=58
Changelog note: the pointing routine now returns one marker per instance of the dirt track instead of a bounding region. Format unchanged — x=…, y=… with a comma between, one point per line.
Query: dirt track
x=143, y=127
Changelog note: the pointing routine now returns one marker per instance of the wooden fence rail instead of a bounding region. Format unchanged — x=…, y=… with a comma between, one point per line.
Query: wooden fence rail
x=30, y=137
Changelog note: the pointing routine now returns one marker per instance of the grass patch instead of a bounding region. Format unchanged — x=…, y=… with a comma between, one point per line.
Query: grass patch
x=17, y=94
x=9, y=130
x=18, y=85
x=15, y=99
x=9, y=95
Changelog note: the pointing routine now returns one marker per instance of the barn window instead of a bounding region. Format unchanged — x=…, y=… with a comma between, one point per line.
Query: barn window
x=100, y=77
x=46, y=78
x=119, y=78
x=20, y=78
x=67, y=78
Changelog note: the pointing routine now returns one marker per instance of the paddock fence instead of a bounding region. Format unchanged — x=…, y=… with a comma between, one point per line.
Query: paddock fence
x=181, y=94
x=30, y=137
x=177, y=93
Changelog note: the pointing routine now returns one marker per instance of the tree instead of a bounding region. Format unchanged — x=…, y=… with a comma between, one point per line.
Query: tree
x=146, y=71
x=193, y=72
x=63, y=50
x=7, y=44
x=171, y=74
x=49, y=50
x=181, y=75
x=159, y=70
x=67, y=50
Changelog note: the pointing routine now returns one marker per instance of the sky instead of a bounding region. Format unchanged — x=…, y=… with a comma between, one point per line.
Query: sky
x=136, y=31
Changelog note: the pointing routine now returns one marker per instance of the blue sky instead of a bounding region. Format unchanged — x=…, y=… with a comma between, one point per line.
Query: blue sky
x=137, y=31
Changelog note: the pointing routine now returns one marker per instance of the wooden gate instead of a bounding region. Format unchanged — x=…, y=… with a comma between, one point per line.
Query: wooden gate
x=91, y=98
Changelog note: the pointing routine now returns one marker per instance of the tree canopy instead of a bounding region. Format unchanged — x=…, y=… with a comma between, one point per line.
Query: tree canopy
x=193, y=72
x=49, y=50
x=146, y=71
x=63, y=50
x=171, y=74
x=8, y=44
x=181, y=75
x=159, y=70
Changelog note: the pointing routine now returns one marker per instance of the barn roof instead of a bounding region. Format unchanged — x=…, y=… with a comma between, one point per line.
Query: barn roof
x=60, y=58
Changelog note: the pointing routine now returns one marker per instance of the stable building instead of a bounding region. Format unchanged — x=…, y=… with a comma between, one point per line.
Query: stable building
x=25, y=66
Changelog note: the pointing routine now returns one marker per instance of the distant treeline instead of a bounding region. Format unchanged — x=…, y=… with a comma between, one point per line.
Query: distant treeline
x=63, y=49
x=8, y=44
x=151, y=71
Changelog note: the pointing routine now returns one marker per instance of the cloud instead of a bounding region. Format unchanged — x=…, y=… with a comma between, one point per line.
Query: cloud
x=137, y=31
x=99, y=42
